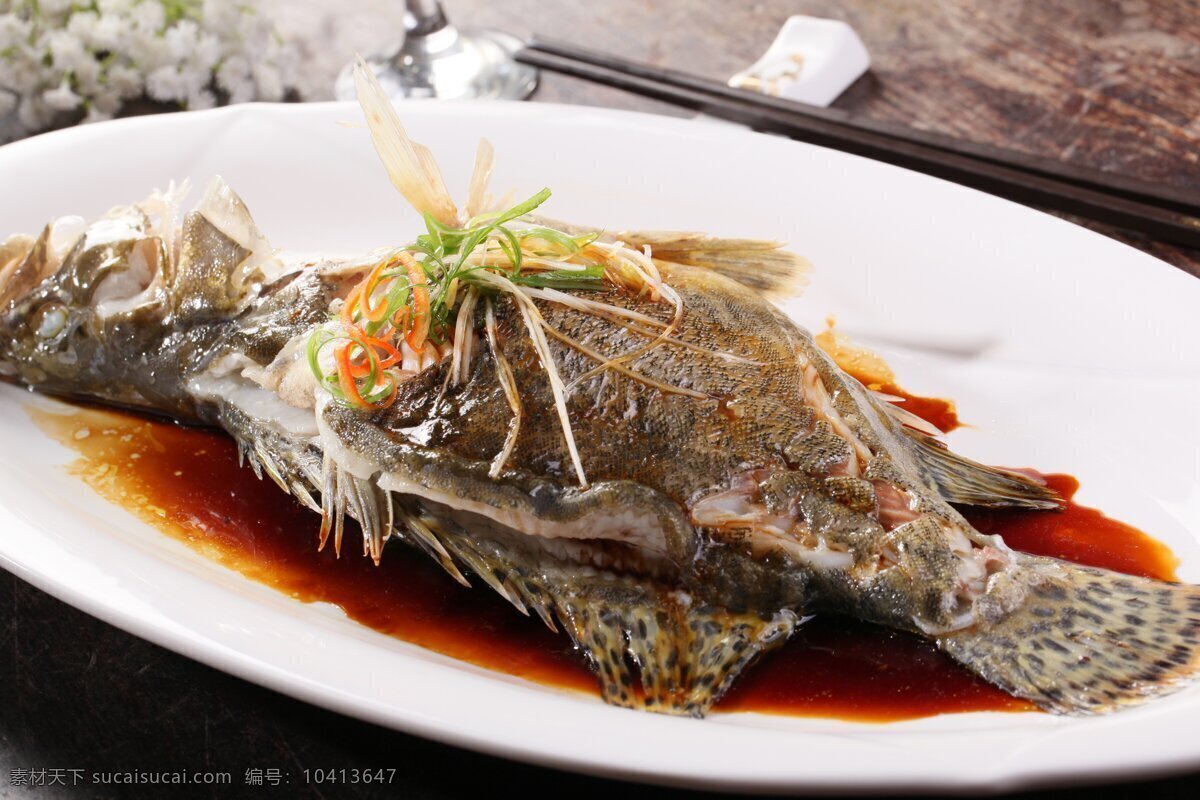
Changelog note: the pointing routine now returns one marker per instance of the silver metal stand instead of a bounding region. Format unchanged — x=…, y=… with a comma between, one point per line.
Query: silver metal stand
x=438, y=60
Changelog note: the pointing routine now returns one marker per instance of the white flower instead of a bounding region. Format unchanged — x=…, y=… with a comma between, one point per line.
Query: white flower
x=222, y=14
x=126, y=81
x=147, y=51
x=58, y=56
x=207, y=52
x=23, y=70
x=14, y=31
x=234, y=78
x=233, y=70
x=32, y=114
x=109, y=33
x=107, y=102
x=67, y=51
x=201, y=99
x=146, y=16
x=122, y=6
x=8, y=75
x=96, y=115
x=181, y=39
x=61, y=98
x=166, y=84
x=87, y=76
x=82, y=24
x=269, y=82
x=54, y=8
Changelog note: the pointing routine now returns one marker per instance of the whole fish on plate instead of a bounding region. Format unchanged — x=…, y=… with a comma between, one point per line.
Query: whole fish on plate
x=619, y=434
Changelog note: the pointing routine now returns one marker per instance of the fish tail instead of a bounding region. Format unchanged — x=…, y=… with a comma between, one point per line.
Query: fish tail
x=1085, y=640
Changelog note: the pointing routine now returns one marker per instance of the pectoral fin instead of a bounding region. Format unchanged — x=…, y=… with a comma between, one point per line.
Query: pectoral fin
x=652, y=648
x=223, y=258
x=685, y=657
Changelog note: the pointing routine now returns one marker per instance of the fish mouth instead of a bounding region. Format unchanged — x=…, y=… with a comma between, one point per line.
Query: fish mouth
x=24, y=263
x=13, y=250
x=20, y=271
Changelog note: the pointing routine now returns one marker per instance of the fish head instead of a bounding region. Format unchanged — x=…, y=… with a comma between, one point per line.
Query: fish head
x=112, y=309
x=78, y=298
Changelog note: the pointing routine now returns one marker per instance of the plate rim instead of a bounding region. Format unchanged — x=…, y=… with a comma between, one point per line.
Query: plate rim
x=147, y=625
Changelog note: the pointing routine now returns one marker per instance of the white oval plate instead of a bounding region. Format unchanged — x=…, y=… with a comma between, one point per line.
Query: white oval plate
x=1064, y=349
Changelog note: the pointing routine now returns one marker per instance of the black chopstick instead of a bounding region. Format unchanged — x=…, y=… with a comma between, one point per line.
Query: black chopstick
x=1107, y=182
x=1007, y=180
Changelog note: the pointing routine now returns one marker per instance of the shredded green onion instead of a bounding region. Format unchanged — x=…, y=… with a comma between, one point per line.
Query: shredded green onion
x=450, y=259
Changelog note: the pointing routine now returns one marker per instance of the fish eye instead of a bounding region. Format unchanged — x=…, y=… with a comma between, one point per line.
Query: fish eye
x=49, y=320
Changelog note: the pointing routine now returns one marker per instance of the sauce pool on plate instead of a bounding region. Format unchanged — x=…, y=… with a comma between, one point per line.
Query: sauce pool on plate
x=186, y=482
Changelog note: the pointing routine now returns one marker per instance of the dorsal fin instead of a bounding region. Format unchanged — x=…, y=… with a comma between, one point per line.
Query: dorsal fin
x=759, y=264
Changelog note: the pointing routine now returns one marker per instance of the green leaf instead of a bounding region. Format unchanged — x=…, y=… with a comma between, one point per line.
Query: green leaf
x=588, y=278
x=562, y=240
x=521, y=209
x=585, y=239
x=512, y=248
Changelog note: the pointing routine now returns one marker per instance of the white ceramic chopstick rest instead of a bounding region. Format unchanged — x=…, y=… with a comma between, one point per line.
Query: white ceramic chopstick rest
x=811, y=61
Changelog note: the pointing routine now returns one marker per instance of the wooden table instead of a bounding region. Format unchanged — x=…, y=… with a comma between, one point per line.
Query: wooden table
x=1112, y=85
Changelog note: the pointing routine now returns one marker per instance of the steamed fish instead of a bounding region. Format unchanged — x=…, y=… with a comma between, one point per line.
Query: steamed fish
x=617, y=433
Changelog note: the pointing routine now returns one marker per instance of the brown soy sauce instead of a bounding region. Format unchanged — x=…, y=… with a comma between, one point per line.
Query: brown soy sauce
x=187, y=483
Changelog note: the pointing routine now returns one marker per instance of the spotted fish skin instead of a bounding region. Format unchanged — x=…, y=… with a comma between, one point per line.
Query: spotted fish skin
x=713, y=521
x=1085, y=640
